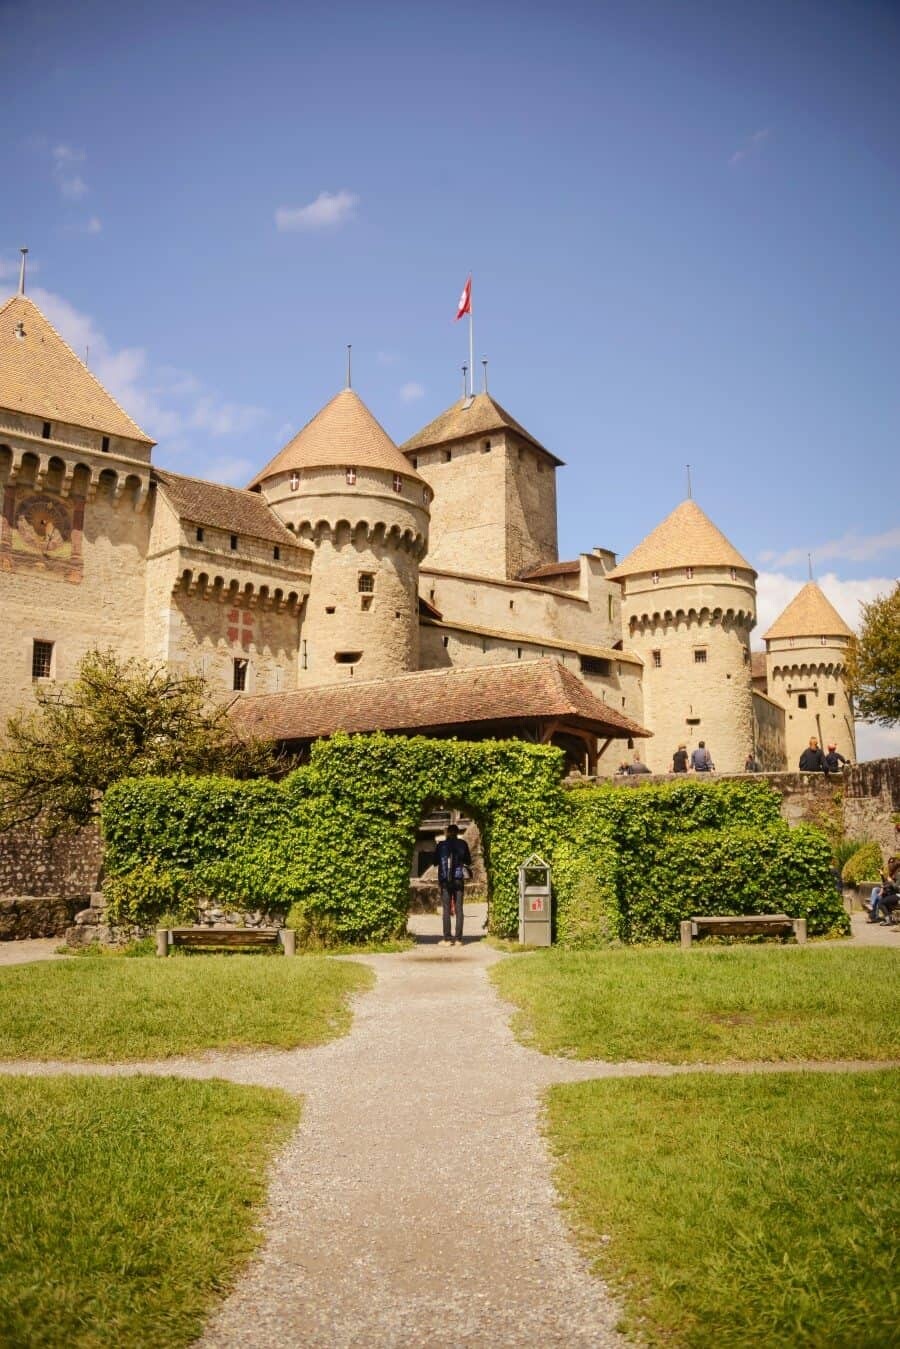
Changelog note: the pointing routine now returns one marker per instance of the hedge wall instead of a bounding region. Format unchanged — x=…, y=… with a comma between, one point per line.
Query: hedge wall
x=330, y=847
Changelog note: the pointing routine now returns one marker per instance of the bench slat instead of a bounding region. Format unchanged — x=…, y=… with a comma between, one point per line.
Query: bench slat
x=210, y=936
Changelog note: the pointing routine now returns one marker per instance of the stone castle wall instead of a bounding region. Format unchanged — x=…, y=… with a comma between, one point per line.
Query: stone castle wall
x=812, y=671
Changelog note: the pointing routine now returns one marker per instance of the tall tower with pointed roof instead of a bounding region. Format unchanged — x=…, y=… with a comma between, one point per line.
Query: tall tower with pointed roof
x=806, y=651
x=494, y=485
x=75, y=482
x=342, y=486
x=688, y=605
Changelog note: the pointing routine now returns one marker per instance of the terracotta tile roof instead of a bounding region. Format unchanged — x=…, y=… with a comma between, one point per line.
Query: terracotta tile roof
x=550, y=569
x=809, y=614
x=463, y=419
x=686, y=538
x=432, y=700
x=342, y=434
x=41, y=375
x=230, y=508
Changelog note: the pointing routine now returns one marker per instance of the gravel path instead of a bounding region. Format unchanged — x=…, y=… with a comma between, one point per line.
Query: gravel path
x=414, y=1206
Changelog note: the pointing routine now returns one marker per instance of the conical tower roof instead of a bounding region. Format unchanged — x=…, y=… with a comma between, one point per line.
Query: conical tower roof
x=686, y=538
x=343, y=434
x=470, y=417
x=40, y=375
x=809, y=614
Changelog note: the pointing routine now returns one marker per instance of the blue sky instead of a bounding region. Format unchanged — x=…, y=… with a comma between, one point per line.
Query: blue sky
x=683, y=222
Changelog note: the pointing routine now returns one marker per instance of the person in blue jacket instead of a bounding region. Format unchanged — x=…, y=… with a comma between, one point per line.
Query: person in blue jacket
x=454, y=864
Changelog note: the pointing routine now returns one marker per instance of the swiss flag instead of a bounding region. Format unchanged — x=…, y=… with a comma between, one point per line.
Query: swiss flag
x=465, y=300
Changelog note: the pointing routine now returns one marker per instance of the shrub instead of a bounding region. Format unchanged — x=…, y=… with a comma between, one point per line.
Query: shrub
x=739, y=870
x=331, y=845
x=863, y=866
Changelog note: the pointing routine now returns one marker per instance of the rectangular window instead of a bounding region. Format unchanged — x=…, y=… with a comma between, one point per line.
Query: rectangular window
x=801, y=699
x=234, y=541
x=199, y=535
x=104, y=444
x=45, y=431
x=733, y=574
x=398, y=483
x=823, y=641
x=831, y=700
x=657, y=658
x=239, y=681
x=655, y=578
x=366, y=582
x=699, y=655
x=295, y=481
x=276, y=553
x=41, y=660
x=594, y=665
x=351, y=477
x=689, y=573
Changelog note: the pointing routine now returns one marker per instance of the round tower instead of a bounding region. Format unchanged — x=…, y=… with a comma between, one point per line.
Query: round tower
x=806, y=652
x=688, y=605
x=343, y=486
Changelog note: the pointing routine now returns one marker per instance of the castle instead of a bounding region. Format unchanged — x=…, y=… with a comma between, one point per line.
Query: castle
x=357, y=584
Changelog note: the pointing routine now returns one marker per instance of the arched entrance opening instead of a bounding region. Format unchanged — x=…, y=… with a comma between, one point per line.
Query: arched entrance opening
x=424, y=922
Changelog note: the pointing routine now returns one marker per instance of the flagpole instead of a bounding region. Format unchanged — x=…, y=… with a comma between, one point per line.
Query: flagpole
x=471, y=348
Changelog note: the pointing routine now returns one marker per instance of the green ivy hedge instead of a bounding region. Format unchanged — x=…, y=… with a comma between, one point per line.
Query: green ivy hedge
x=329, y=848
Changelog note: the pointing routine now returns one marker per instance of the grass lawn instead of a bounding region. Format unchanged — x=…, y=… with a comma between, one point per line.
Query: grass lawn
x=730, y=1211
x=116, y=1008
x=699, y=1006
x=127, y=1206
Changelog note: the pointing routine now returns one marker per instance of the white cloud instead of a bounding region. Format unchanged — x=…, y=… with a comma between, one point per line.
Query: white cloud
x=234, y=472
x=410, y=391
x=752, y=145
x=68, y=179
x=167, y=403
x=877, y=742
x=774, y=591
x=850, y=547
x=329, y=208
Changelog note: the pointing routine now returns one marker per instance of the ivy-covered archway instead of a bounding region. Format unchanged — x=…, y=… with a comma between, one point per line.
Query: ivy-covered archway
x=331, y=845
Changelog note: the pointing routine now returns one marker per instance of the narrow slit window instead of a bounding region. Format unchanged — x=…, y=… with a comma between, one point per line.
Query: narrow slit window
x=831, y=700
x=104, y=444
x=45, y=431
x=234, y=543
x=398, y=483
x=295, y=481
x=657, y=659
x=276, y=553
x=199, y=534
x=801, y=700
x=351, y=477
x=655, y=578
x=239, y=675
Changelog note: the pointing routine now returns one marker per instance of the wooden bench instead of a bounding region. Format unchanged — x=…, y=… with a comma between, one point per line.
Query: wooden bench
x=225, y=938
x=743, y=925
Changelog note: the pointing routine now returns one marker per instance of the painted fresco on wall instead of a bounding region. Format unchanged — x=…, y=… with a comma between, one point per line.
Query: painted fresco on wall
x=42, y=532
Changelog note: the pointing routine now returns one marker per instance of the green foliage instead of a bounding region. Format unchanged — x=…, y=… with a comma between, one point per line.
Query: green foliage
x=330, y=846
x=863, y=866
x=115, y=720
x=873, y=661
x=738, y=870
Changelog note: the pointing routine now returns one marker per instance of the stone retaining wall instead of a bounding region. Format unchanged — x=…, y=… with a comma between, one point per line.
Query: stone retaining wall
x=36, y=916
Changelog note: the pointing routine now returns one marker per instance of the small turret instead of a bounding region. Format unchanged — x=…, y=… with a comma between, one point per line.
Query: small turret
x=806, y=652
x=688, y=605
x=342, y=485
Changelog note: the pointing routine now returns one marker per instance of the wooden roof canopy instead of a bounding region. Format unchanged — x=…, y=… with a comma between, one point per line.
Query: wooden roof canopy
x=451, y=701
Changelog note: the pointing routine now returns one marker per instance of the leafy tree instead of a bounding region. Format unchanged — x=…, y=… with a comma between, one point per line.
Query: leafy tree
x=115, y=720
x=873, y=664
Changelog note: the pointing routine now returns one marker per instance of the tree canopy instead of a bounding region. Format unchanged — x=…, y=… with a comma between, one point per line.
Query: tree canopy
x=873, y=665
x=115, y=720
